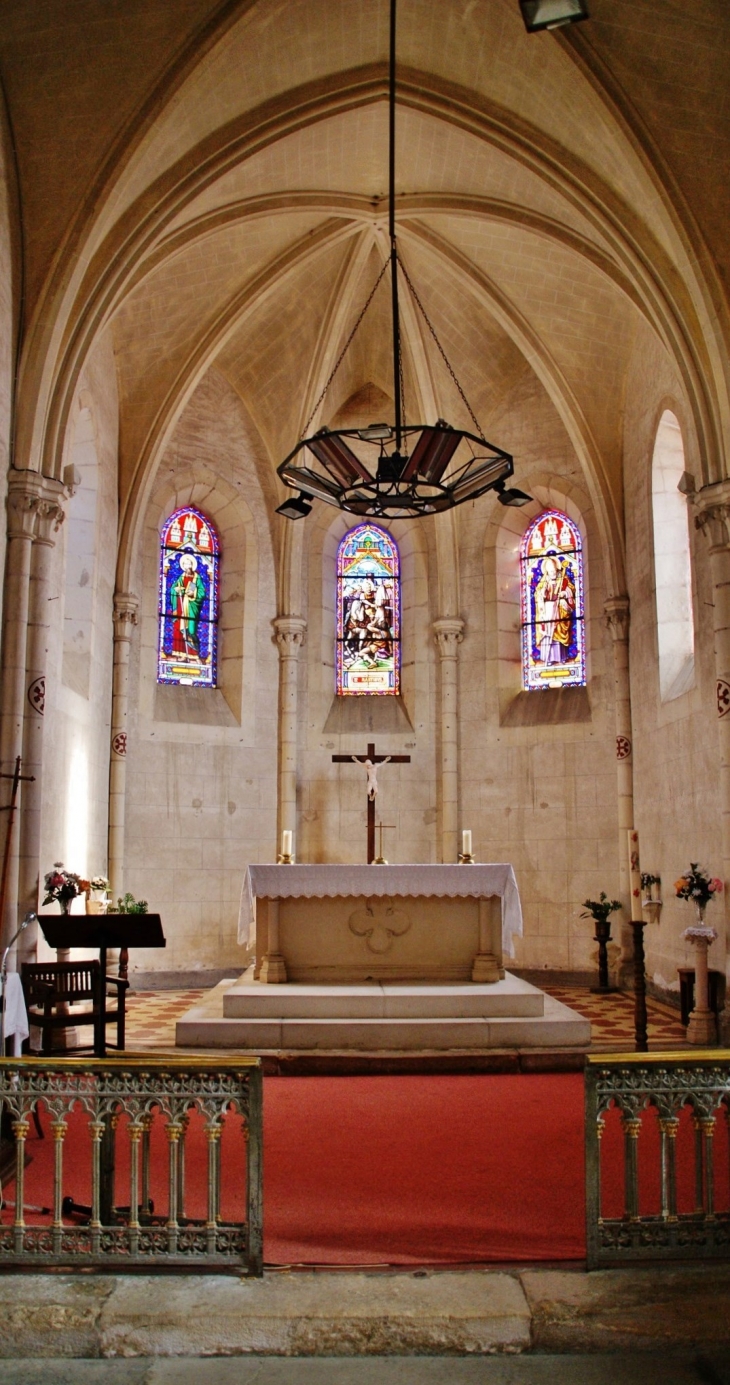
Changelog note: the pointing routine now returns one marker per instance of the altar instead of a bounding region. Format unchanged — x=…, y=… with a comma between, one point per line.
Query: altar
x=379, y=959
x=348, y=924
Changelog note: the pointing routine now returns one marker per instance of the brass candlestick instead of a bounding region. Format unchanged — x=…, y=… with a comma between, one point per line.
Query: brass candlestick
x=382, y=827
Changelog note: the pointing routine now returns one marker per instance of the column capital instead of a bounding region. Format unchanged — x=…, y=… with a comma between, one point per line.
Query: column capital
x=712, y=506
x=126, y=607
x=25, y=489
x=448, y=633
x=289, y=632
x=617, y=612
x=50, y=512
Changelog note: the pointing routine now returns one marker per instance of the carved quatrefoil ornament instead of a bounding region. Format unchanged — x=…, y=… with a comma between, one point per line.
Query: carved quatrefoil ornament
x=379, y=923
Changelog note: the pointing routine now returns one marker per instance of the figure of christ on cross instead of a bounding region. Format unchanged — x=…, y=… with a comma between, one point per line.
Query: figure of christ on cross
x=370, y=761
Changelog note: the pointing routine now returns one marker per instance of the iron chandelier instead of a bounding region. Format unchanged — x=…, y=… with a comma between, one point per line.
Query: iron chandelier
x=404, y=469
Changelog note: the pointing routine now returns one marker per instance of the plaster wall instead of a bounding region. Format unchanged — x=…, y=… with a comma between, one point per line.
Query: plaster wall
x=78, y=710
x=676, y=756
x=541, y=795
x=201, y=767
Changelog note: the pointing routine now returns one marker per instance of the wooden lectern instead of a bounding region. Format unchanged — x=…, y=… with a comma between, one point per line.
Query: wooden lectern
x=102, y=931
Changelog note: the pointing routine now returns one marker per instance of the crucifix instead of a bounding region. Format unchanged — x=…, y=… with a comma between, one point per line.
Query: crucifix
x=370, y=762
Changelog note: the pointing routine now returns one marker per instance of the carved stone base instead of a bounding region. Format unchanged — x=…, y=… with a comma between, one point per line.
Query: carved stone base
x=273, y=969
x=485, y=968
x=702, y=1028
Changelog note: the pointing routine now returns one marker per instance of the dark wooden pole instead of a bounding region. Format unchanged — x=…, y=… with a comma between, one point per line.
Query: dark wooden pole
x=640, y=1022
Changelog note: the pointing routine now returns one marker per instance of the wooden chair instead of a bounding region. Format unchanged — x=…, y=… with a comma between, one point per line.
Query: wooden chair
x=51, y=987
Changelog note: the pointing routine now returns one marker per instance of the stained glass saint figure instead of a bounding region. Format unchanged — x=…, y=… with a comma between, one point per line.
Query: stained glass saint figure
x=368, y=613
x=551, y=589
x=188, y=613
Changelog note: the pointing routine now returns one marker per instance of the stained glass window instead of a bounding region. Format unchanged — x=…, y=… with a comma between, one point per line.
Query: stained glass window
x=188, y=612
x=551, y=590
x=368, y=613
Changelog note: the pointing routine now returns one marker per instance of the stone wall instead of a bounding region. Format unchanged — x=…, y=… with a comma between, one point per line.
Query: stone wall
x=676, y=777
x=201, y=767
x=78, y=690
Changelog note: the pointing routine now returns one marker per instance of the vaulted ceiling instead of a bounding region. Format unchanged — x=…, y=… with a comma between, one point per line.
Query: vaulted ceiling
x=208, y=180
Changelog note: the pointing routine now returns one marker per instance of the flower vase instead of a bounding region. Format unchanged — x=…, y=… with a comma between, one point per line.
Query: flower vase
x=65, y=906
x=702, y=1028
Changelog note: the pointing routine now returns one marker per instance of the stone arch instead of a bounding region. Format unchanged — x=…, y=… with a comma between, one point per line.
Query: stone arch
x=504, y=533
x=672, y=561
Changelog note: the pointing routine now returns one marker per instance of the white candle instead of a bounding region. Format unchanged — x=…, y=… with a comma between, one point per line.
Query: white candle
x=634, y=876
x=466, y=843
x=286, y=843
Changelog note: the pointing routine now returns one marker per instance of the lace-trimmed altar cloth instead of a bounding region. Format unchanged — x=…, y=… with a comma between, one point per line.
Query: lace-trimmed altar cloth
x=16, y=1016
x=322, y=881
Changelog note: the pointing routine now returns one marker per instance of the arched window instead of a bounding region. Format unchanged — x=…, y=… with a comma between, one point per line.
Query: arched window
x=551, y=596
x=188, y=614
x=367, y=657
x=672, y=568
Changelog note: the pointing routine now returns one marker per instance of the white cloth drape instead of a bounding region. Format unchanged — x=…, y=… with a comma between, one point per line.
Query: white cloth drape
x=320, y=882
x=16, y=1016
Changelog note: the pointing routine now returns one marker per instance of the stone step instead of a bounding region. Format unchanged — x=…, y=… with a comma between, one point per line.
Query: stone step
x=558, y=1027
x=510, y=998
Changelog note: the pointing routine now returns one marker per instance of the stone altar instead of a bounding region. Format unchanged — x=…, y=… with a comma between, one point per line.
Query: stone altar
x=344, y=924
x=375, y=959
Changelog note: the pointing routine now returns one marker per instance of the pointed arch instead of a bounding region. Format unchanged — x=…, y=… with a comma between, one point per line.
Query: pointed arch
x=367, y=656
x=552, y=604
x=187, y=640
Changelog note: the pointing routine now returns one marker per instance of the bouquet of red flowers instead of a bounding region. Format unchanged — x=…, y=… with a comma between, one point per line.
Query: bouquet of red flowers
x=697, y=885
x=63, y=885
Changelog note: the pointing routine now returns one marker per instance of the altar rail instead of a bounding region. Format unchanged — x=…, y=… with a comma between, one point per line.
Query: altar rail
x=179, y=1139
x=657, y=1157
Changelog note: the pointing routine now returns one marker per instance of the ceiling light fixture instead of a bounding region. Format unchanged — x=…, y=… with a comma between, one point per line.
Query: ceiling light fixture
x=552, y=14
x=402, y=469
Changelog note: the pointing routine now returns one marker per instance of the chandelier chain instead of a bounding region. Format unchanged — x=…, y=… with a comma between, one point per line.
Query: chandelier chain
x=445, y=358
x=344, y=350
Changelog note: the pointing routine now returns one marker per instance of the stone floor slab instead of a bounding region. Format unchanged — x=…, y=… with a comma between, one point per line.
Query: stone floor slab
x=316, y=1314
x=688, y=1369
x=630, y=1309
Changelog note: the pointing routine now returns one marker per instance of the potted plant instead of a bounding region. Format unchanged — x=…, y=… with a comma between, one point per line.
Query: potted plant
x=699, y=887
x=62, y=886
x=600, y=910
x=97, y=903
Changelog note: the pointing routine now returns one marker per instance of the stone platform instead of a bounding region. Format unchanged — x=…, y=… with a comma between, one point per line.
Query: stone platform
x=377, y=1018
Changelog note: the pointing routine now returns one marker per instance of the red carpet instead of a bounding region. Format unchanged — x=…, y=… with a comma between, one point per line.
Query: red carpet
x=374, y=1170
x=424, y=1169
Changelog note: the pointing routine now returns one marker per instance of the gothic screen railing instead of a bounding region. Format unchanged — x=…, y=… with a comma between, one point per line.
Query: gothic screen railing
x=657, y=1157
x=136, y=1162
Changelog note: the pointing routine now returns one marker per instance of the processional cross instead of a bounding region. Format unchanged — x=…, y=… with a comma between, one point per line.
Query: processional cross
x=370, y=761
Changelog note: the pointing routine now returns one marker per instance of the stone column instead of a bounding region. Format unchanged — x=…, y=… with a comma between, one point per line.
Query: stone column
x=290, y=631
x=616, y=610
x=49, y=518
x=713, y=518
x=126, y=605
x=25, y=489
x=449, y=633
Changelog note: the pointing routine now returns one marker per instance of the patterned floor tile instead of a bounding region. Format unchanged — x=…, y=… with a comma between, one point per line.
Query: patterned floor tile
x=152, y=1015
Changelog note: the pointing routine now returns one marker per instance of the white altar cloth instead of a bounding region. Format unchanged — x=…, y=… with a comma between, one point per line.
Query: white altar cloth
x=325, y=881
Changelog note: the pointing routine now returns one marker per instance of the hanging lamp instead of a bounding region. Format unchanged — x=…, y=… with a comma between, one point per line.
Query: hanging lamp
x=401, y=469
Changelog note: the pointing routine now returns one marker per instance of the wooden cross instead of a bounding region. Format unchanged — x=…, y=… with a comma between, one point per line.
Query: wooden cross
x=374, y=760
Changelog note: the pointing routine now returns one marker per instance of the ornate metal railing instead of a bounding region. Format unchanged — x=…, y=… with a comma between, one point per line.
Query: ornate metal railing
x=180, y=1141
x=657, y=1157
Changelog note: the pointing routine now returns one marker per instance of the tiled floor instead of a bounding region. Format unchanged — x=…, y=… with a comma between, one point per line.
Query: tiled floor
x=612, y=1019
x=151, y=1017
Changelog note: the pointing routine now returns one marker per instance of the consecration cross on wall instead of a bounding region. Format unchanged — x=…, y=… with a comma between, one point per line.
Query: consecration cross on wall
x=370, y=761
